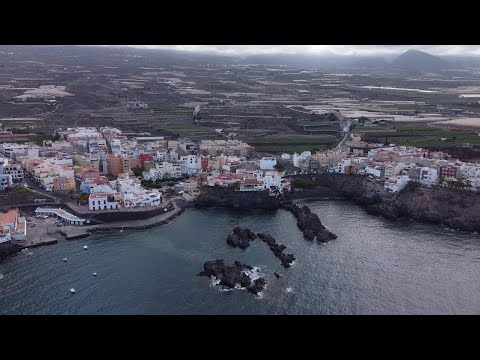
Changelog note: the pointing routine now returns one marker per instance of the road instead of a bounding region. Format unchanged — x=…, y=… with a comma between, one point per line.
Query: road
x=341, y=145
x=34, y=187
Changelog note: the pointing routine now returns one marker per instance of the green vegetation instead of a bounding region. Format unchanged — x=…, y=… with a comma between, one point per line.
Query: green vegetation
x=21, y=190
x=40, y=138
x=82, y=199
x=158, y=183
x=251, y=132
x=137, y=171
x=411, y=186
x=420, y=136
x=294, y=140
x=235, y=186
x=166, y=107
x=279, y=167
x=271, y=148
x=291, y=144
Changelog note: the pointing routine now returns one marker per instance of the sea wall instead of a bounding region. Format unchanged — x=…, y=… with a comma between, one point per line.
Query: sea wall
x=119, y=215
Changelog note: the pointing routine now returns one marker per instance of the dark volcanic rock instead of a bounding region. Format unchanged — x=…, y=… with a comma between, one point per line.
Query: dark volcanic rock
x=231, y=275
x=240, y=237
x=258, y=286
x=226, y=197
x=454, y=208
x=7, y=249
x=309, y=222
x=277, y=249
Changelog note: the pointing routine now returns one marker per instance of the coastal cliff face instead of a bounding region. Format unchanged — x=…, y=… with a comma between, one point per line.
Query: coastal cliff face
x=225, y=197
x=8, y=249
x=454, y=208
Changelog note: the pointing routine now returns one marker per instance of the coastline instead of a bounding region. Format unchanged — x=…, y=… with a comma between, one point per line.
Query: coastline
x=45, y=232
x=455, y=209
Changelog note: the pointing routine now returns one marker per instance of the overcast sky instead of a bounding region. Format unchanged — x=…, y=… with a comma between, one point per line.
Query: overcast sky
x=322, y=49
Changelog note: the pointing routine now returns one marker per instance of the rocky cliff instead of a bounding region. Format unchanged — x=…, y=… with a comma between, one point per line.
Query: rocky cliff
x=226, y=197
x=7, y=249
x=454, y=208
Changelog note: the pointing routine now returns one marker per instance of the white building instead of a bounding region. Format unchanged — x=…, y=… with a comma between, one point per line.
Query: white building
x=5, y=181
x=374, y=170
x=268, y=163
x=396, y=183
x=428, y=175
x=272, y=179
x=343, y=165
x=188, y=164
x=251, y=185
x=104, y=201
x=15, y=170
x=9, y=149
x=470, y=171
x=299, y=159
x=393, y=168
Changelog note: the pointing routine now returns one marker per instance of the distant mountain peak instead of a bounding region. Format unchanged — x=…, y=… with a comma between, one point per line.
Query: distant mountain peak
x=420, y=61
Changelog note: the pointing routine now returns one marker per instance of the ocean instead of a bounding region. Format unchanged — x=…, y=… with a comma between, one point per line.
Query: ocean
x=375, y=266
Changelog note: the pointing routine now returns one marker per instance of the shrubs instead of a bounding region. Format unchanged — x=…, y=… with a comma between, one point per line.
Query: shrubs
x=411, y=186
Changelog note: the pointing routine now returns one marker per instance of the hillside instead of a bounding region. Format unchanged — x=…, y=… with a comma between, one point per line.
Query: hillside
x=420, y=61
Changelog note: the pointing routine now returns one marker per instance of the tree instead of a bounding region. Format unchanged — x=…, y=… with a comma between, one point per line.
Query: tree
x=137, y=171
x=235, y=186
x=279, y=167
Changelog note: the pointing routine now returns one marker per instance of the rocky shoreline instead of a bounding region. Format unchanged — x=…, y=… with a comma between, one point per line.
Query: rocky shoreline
x=456, y=209
x=308, y=222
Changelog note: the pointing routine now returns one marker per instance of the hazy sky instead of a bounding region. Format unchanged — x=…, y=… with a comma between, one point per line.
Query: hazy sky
x=322, y=49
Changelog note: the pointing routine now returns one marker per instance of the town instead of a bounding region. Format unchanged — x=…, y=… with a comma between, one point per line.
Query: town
x=89, y=170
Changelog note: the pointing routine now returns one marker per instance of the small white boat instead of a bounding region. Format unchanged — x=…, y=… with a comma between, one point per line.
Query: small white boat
x=1, y=276
x=64, y=259
x=94, y=274
x=72, y=290
x=121, y=230
x=85, y=247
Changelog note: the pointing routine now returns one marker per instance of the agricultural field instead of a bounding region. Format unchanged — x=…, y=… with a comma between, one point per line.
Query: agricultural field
x=420, y=136
x=292, y=143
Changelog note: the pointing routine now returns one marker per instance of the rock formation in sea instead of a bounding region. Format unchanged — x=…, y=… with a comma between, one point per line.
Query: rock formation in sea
x=240, y=237
x=309, y=223
x=232, y=275
x=277, y=249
